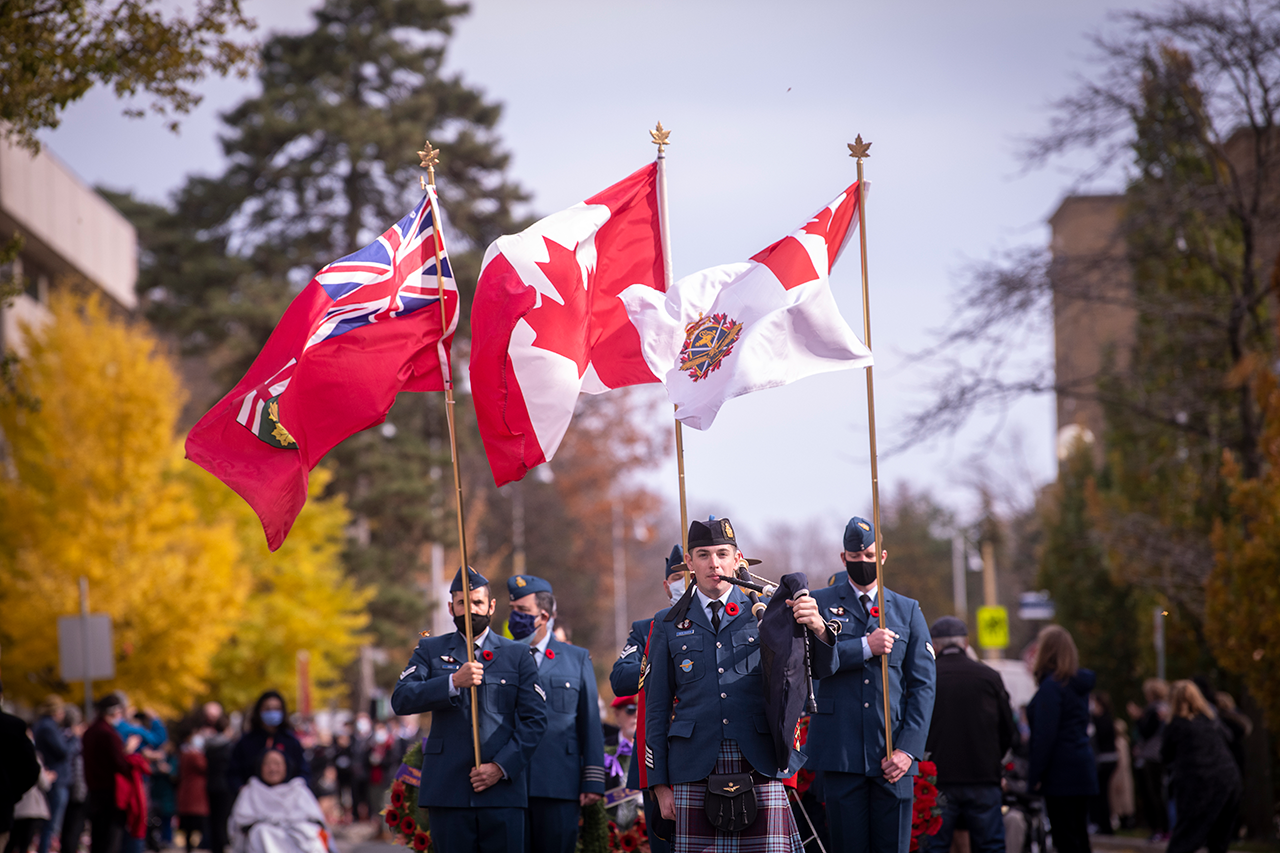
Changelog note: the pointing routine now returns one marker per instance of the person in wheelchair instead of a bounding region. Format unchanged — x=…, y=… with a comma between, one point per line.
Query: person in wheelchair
x=271, y=815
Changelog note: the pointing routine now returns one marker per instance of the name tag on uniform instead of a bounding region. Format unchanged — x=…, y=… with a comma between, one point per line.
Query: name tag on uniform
x=684, y=633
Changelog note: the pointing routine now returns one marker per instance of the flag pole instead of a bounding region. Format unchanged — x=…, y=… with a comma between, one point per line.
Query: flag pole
x=859, y=150
x=430, y=157
x=660, y=139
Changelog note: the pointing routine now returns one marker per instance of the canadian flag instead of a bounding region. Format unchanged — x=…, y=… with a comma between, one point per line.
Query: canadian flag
x=733, y=329
x=547, y=323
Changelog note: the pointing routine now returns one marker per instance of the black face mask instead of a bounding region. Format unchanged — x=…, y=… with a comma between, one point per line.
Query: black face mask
x=861, y=572
x=478, y=623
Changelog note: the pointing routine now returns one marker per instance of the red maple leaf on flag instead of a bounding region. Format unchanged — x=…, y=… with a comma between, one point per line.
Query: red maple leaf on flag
x=561, y=327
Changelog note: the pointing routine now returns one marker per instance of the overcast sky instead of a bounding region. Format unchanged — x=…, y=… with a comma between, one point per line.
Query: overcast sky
x=761, y=98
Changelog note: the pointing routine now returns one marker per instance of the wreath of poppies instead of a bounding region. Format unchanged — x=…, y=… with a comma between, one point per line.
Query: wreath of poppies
x=406, y=820
x=926, y=811
x=731, y=609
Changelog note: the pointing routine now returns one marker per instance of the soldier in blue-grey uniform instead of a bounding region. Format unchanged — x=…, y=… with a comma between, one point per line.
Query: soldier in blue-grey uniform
x=705, y=708
x=474, y=808
x=625, y=679
x=868, y=795
x=567, y=769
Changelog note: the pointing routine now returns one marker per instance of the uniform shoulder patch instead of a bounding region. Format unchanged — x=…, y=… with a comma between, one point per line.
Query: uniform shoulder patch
x=932, y=654
x=629, y=650
x=408, y=671
x=541, y=692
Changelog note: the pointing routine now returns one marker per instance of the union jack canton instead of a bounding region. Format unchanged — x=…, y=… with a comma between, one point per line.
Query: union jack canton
x=392, y=278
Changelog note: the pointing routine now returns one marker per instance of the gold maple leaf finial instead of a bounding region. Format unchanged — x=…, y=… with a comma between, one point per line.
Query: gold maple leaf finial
x=430, y=156
x=859, y=149
x=660, y=137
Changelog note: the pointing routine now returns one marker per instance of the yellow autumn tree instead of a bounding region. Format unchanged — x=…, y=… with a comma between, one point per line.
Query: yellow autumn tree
x=299, y=601
x=94, y=483
x=92, y=487
x=1243, y=593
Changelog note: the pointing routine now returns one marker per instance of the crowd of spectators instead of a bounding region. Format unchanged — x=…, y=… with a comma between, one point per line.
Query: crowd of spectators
x=128, y=780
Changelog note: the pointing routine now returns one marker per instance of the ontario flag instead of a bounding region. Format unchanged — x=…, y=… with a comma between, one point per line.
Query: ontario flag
x=367, y=327
x=547, y=322
x=737, y=328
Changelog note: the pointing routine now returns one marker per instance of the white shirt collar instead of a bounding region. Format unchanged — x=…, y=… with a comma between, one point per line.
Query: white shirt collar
x=480, y=638
x=857, y=593
x=706, y=602
x=546, y=638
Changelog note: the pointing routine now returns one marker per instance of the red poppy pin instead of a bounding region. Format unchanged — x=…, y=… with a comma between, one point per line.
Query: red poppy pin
x=875, y=612
x=731, y=609
x=551, y=655
x=487, y=654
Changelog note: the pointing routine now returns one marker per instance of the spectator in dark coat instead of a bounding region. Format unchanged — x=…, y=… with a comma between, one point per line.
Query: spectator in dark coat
x=54, y=751
x=1205, y=781
x=217, y=750
x=1148, y=771
x=19, y=770
x=967, y=741
x=104, y=757
x=77, y=811
x=1103, y=742
x=1062, y=767
x=269, y=728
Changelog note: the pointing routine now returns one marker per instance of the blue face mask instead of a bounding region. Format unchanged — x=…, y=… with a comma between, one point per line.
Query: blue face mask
x=521, y=625
x=272, y=718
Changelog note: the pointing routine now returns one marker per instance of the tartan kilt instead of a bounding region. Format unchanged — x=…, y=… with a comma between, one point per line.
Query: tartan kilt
x=774, y=829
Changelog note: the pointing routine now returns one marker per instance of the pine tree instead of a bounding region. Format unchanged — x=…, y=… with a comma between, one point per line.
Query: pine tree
x=321, y=162
x=1186, y=392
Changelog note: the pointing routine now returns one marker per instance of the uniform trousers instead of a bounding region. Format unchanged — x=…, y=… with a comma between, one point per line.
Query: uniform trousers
x=553, y=825
x=485, y=830
x=865, y=813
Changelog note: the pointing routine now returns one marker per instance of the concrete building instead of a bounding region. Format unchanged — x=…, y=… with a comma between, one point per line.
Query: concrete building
x=71, y=237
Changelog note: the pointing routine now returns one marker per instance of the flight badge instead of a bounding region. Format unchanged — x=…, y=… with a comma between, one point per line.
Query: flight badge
x=837, y=611
x=684, y=624
x=448, y=658
x=686, y=664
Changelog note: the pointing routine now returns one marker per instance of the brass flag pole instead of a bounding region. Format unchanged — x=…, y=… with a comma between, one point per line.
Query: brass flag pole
x=660, y=138
x=430, y=157
x=859, y=150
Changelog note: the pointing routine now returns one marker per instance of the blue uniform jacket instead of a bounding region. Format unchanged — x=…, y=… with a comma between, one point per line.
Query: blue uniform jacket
x=570, y=759
x=625, y=680
x=847, y=733
x=513, y=717
x=705, y=687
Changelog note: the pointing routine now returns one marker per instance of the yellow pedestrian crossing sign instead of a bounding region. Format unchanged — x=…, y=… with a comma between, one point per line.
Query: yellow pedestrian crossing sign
x=993, y=627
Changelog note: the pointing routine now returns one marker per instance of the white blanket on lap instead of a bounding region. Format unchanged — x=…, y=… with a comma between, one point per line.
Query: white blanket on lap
x=284, y=818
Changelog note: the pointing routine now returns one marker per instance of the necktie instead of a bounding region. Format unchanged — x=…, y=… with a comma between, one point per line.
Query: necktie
x=537, y=658
x=866, y=604
x=715, y=615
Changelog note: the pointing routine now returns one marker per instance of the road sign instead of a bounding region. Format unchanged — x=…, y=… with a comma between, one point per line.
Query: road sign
x=72, y=646
x=1035, y=606
x=993, y=627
